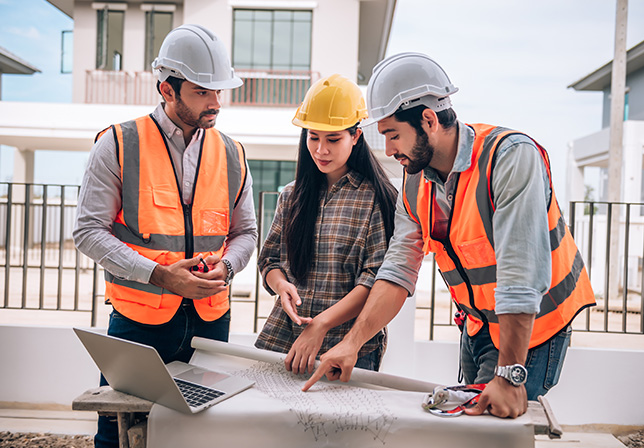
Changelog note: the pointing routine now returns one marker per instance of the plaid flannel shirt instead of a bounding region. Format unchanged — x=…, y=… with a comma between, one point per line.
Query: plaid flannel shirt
x=350, y=245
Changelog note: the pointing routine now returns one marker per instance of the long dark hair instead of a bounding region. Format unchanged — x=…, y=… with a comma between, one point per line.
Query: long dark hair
x=304, y=202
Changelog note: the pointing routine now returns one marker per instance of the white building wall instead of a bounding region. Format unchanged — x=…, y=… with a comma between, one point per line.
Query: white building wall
x=84, y=48
x=48, y=365
x=335, y=38
x=632, y=165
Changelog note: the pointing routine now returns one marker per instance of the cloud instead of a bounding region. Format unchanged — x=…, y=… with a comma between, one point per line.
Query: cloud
x=29, y=32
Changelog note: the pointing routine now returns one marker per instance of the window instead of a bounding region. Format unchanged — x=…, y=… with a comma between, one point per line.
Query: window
x=157, y=25
x=109, y=49
x=272, y=176
x=272, y=39
x=66, y=51
x=272, y=53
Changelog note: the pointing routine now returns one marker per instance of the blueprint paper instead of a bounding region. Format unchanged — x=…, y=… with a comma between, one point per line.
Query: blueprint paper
x=276, y=413
x=360, y=376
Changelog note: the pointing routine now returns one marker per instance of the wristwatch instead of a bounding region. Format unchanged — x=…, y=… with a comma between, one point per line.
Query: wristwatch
x=516, y=374
x=231, y=273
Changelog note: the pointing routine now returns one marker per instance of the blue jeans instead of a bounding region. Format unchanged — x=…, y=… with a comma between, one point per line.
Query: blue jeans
x=479, y=358
x=172, y=341
x=372, y=360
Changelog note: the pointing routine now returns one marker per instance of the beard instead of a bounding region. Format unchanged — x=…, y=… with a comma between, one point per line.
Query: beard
x=189, y=118
x=421, y=154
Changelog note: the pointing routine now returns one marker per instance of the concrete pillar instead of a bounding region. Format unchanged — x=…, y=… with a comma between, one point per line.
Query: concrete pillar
x=23, y=165
x=615, y=171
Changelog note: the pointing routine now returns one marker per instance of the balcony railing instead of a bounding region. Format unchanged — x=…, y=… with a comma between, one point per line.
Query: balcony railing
x=272, y=88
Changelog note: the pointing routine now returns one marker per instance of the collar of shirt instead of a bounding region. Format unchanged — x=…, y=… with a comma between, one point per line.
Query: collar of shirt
x=353, y=178
x=184, y=157
x=170, y=129
x=463, y=155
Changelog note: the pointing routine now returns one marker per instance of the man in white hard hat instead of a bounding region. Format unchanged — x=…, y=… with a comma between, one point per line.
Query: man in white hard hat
x=166, y=207
x=480, y=198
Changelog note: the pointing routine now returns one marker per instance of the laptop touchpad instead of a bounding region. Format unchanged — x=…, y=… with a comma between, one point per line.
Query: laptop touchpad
x=200, y=376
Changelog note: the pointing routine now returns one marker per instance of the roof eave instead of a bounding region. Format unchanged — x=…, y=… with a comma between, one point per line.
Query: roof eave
x=601, y=78
x=12, y=65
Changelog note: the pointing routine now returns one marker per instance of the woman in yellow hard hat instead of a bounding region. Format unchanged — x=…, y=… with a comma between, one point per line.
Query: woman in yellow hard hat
x=330, y=232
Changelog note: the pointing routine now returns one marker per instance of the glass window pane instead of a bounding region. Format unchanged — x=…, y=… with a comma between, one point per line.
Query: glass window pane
x=101, y=37
x=242, y=45
x=262, y=15
x=158, y=25
x=114, y=40
x=262, y=45
x=282, y=34
x=243, y=14
x=271, y=39
x=302, y=16
x=301, y=45
x=283, y=16
x=67, y=51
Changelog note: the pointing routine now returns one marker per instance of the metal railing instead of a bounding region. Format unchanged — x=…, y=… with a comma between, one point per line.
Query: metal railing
x=42, y=270
x=272, y=87
x=600, y=229
x=261, y=88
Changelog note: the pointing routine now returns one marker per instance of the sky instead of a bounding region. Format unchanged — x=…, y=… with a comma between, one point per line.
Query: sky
x=511, y=60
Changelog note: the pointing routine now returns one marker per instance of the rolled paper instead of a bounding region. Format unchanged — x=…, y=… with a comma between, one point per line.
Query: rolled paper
x=359, y=375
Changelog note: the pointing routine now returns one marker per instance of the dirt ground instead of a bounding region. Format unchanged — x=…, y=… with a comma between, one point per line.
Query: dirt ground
x=35, y=440
x=634, y=440
x=32, y=440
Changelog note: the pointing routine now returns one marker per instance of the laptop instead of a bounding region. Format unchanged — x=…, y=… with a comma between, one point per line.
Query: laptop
x=137, y=369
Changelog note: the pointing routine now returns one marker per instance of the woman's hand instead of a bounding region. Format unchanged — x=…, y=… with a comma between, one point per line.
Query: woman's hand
x=290, y=300
x=301, y=356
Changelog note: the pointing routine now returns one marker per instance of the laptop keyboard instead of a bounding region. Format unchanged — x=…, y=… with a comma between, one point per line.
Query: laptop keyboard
x=195, y=394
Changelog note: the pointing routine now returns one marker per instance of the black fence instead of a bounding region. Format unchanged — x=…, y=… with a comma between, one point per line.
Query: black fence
x=42, y=270
x=610, y=236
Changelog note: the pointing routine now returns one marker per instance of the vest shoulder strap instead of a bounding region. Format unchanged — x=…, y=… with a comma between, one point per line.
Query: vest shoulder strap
x=236, y=165
x=411, y=184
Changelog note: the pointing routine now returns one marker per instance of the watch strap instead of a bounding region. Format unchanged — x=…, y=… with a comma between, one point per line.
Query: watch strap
x=231, y=272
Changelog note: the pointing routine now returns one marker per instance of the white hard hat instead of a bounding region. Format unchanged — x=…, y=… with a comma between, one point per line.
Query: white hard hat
x=404, y=81
x=196, y=54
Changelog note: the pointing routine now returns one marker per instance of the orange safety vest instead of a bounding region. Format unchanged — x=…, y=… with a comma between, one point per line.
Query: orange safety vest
x=466, y=258
x=155, y=222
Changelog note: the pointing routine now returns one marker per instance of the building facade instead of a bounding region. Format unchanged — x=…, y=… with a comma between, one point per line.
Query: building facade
x=278, y=47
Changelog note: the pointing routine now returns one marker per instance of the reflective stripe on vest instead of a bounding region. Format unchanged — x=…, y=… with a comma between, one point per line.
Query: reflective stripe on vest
x=154, y=222
x=466, y=258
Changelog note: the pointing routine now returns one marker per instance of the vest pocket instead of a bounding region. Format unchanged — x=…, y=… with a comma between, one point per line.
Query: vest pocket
x=215, y=221
x=165, y=198
x=476, y=253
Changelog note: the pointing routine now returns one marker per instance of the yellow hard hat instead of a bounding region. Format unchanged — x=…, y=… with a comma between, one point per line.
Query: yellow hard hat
x=331, y=104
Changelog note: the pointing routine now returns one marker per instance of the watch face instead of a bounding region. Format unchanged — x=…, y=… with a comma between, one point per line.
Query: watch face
x=518, y=374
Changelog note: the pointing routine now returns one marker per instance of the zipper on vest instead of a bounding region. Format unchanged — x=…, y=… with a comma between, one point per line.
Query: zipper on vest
x=447, y=244
x=459, y=267
x=187, y=221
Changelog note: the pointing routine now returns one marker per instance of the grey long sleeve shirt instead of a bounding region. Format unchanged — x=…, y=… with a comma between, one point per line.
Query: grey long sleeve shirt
x=520, y=225
x=100, y=201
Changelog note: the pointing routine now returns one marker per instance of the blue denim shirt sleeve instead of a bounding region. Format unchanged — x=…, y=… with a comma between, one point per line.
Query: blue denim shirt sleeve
x=521, y=192
x=405, y=254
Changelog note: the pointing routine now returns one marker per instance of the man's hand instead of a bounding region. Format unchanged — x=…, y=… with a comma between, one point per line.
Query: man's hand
x=301, y=356
x=501, y=399
x=216, y=269
x=290, y=299
x=181, y=280
x=337, y=363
